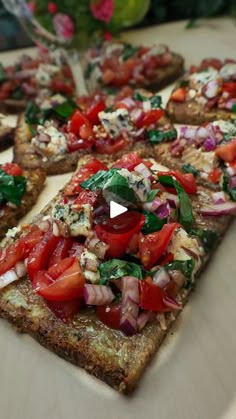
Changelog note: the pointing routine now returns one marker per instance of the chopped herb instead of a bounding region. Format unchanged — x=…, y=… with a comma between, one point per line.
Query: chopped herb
x=188, y=168
x=157, y=136
x=129, y=51
x=185, y=207
x=155, y=101
x=207, y=237
x=234, y=107
x=109, y=109
x=152, y=223
x=89, y=69
x=230, y=191
x=118, y=185
x=2, y=75
x=184, y=266
x=183, y=83
x=32, y=113
x=152, y=194
x=65, y=109
x=17, y=93
x=116, y=268
x=139, y=97
x=12, y=188
x=98, y=180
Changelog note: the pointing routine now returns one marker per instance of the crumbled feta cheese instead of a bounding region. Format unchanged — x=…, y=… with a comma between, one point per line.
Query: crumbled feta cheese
x=191, y=93
x=204, y=161
x=181, y=240
x=92, y=276
x=154, y=51
x=140, y=185
x=225, y=126
x=116, y=121
x=79, y=222
x=197, y=80
x=12, y=232
x=57, y=144
x=51, y=101
x=44, y=74
x=228, y=71
x=113, y=47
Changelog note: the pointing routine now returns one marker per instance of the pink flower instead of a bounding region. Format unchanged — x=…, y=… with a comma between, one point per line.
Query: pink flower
x=102, y=9
x=52, y=7
x=32, y=6
x=64, y=26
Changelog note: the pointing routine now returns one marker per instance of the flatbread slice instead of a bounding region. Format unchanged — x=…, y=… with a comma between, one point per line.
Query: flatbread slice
x=108, y=354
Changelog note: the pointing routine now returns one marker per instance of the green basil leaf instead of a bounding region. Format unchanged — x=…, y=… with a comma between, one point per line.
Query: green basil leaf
x=207, y=237
x=152, y=194
x=157, y=136
x=118, y=185
x=116, y=268
x=156, y=101
x=98, y=180
x=65, y=109
x=188, y=168
x=184, y=266
x=32, y=113
x=129, y=51
x=12, y=188
x=152, y=223
x=185, y=207
x=230, y=191
x=138, y=96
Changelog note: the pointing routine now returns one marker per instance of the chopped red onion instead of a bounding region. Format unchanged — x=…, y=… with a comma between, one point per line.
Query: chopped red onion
x=211, y=89
x=24, y=74
x=28, y=89
x=171, y=303
x=43, y=138
x=141, y=168
x=163, y=211
x=187, y=132
x=97, y=246
x=129, y=305
x=128, y=101
x=161, y=278
x=226, y=208
x=202, y=132
x=13, y=274
x=209, y=144
x=98, y=295
x=2, y=212
x=172, y=199
x=178, y=277
x=44, y=225
x=136, y=114
x=232, y=182
x=144, y=318
x=218, y=197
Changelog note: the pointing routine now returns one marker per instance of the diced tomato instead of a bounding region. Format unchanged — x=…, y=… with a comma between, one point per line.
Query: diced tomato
x=68, y=286
x=230, y=87
x=79, y=123
x=85, y=197
x=65, y=310
x=214, y=175
x=211, y=62
x=76, y=249
x=61, y=266
x=149, y=118
x=61, y=86
x=84, y=173
x=166, y=258
x=61, y=250
x=187, y=180
x=108, y=76
x=107, y=146
x=12, y=169
x=151, y=297
x=92, y=113
x=118, y=232
x=227, y=152
x=179, y=95
x=152, y=246
x=75, y=143
x=19, y=250
x=109, y=315
x=40, y=255
x=128, y=161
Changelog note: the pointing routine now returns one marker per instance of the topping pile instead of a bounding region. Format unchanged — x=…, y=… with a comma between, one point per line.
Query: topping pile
x=117, y=64
x=212, y=84
x=12, y=186
x=32, y=78
x=210, y=152
x=66, y=127
x=131, y=268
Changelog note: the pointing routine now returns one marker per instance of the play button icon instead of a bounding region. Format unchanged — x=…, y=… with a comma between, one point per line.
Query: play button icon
x=116, y=209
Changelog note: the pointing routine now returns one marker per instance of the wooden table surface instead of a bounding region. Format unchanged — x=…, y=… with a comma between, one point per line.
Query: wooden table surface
x=194, y=374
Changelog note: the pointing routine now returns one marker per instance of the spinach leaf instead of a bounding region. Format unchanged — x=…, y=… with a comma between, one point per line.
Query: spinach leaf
x=98, y=180
x=129, y=51
x=116, y=268
x=188, y=168
x=157, y=136
x=207, y=237
x=185, y=207
x=12, y=188
x=184, y=266
x=152, y=223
